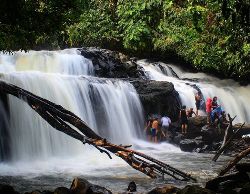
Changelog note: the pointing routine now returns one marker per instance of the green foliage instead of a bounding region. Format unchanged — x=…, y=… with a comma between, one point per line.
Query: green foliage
x=136, y=22
x=212, y=35
x=94, y=29
x=26, y=24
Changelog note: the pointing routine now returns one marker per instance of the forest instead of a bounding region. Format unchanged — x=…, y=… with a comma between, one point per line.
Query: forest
x=212, y=36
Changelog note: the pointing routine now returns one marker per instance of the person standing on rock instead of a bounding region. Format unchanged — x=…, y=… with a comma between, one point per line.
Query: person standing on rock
x=214, y=103
x=209, y=110
x=190, y=112
x=165, y=123
x=184, y=120
x=198, y=102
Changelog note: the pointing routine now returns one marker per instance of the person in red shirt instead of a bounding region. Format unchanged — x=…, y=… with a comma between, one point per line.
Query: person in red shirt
x=209, y=109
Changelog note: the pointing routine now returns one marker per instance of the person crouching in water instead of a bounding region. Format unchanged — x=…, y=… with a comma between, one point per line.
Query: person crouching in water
x=184, y=120
x=154, y=130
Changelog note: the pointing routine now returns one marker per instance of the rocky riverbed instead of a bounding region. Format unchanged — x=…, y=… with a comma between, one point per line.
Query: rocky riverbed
x=236, y=183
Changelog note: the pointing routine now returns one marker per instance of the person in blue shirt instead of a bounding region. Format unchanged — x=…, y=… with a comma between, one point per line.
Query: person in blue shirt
x=216, y=114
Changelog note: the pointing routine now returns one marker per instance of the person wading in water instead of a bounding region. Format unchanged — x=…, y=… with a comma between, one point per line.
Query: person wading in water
x=147, y=129
x=154, y=130
x=184, y=120
x=165, y=122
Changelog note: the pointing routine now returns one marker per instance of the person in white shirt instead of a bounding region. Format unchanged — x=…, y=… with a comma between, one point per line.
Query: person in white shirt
x=165, y=122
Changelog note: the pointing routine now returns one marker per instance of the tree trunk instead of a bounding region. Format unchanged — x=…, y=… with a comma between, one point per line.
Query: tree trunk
x=60, y=118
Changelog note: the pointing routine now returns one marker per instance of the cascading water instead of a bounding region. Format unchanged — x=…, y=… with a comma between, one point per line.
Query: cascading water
x=41, y=155
x=111, y=107
x=66, y=61
x=231, y=96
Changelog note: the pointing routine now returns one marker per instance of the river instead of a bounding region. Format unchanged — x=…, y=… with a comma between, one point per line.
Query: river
x=43, y=158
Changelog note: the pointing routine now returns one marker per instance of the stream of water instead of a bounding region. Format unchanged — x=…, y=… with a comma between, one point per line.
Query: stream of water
x=43, y=158
x=231, y=96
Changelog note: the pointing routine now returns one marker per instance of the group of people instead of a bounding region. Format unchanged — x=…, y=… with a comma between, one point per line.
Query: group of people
x=185, y=114
x=215, y=114
x=157, y=128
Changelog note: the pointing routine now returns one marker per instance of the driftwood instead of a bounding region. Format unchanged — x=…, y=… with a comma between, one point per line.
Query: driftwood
x=233, y=162
x=60, y=118
x=229, y=136
x=229, y=130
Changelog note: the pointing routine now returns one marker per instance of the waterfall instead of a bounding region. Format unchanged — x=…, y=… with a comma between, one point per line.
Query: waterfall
x=111, y=107
x=231, y=96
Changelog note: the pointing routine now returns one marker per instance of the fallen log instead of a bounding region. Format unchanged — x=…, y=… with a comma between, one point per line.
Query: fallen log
x=60, y=118
x=233, y=162
x=229, y=136
x=229, y=130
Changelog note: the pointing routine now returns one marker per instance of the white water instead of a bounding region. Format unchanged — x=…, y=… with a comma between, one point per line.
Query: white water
x=111, y=107
x=66, y=61
x=233, y=98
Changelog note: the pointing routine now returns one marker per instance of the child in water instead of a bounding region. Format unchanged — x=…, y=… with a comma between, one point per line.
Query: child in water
x=154, y=130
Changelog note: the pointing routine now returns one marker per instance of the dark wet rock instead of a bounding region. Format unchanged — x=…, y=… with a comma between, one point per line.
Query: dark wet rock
x=82, y=186
x=243, y=167
x=238, y=145
x=166, y=69
x=245, y=189
x=7, y=189
x=46, y=192
x=4, y=128
x=112, y=64
x=244, y=131
x=189, y=145
x=131, y=187
x=195, y=189
x=166, y=189
x=40, y=192
x=203, y=138
x=158, y=97
x=196, y=123
x=62, y=190
x=177, y=138
x=36, y=192
x=229, y=182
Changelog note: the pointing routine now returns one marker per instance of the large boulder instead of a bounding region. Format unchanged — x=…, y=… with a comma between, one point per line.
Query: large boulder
x=7, y=189
x=4, y=128
x=112, y=64
x=196, y=123
x=245, y=130
x=223, y=184
x=158, y=97
x=166, y=189
x=189, y=145
x=82, y=186
x=194, y=189
x=62, y=190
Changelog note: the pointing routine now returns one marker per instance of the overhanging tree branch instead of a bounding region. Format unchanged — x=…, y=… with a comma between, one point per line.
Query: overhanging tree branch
x=60, y=118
